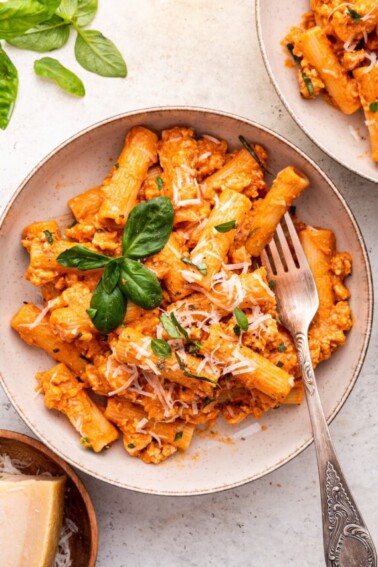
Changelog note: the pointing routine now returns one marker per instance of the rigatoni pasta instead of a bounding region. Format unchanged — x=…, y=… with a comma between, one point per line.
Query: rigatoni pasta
x=155, y=301
x=335, y=47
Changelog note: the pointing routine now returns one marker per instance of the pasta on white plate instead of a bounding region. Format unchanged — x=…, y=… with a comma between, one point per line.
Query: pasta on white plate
x=335, y=47
x=154, y=299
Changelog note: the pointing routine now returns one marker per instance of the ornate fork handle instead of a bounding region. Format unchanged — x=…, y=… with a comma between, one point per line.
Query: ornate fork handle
x=347, y=542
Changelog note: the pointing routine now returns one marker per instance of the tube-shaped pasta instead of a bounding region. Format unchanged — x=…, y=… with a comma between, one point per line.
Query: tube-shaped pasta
x=295, y=396
x=350, y=29
x=123, y=413
x=65, y=393
x=43, y=266
x=120, y=191
x=286, y=187
x=134, y=348
x=38, y=333
x=367, y=81
x=70, y=319
x=237, y=174
x=212, y=245
x=318, y=51
x=319, y=245
x=40, y=231
x=86, y=204
x=252, y=369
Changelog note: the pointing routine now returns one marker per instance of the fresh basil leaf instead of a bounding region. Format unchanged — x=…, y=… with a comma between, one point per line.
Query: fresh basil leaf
x=98, y=54
x=161, y=348
x=148, y=228
x=110, y=308
x=86, y=11
x=373, y=106
x=353, y=14
x=139, y=284
x=111, y=276
x=8, y=88
x=178, y=436
x=179, y=327
x=241, y=319
x=170, y=327
x=47, y=36
x=308, y=83
x=189, y=374
x=237, y=330
x=281, y=347
x=200, y=266
x=82, y=258
x=159, y=183
x=225, y=226
x=17, y=16
x=67, y=9
x=49, y=236
x=50, y=68
x=249, y=149
x=290, y=47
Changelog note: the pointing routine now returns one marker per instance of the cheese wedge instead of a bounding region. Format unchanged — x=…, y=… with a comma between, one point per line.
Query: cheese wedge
x=31, y=514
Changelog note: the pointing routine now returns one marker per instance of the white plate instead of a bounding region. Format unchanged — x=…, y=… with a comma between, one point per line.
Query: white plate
x=212, y=463
x=327, y=127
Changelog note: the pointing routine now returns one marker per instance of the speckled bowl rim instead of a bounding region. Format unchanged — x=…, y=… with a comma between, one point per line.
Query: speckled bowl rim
x=369, y=298
x=258, y=8
x=70, y=473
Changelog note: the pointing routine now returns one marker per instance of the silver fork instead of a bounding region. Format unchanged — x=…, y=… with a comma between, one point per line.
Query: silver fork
x=347, y=542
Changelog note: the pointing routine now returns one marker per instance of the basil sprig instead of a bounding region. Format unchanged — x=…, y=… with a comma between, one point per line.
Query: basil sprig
x=8, y=88
x=44, y=25
x=125, y=278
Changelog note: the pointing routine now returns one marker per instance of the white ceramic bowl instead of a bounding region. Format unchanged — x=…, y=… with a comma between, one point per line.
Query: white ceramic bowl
x=327, y=127
x=212, y=463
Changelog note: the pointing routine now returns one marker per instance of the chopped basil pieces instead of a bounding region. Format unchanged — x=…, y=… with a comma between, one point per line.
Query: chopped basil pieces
x=281, y=347
x=201, y=266
x=225, y=226
x=290, y=47
x=373, y=106
x=353, y=14
x=161, y=348
x=49, y=236
x=178, y=436
x=308, y=83
x=159, y=183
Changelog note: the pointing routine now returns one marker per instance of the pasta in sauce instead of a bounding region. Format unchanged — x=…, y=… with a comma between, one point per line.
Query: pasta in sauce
x=214, y=345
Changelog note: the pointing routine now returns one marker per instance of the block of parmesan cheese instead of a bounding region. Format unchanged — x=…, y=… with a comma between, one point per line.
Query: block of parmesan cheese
x=31, y=514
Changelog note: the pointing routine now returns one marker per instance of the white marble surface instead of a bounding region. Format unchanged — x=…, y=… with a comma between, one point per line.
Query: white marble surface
x=202, y=53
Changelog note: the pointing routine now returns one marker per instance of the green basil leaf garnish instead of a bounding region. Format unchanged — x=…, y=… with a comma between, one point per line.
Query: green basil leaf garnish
x=178, y=436
x=373, y=106
x=179, y=327
x=67, y=9
x=201, y=266
x=49, y=236
x=111, y=276
x=98, y=54
x=17, y=16
x=249, y=149
x=237, y=330
x=86, y=11
x=308, y=83
x=290, y=47
x=47, y=36
x=139, y=284
x=8, y=88
x=225, y=226
x=148, y=228
x=110, y=308
x=241, y=319
x=170, y=327
x=353, y=14
x=159, y=183
x=51, y=69
x=161, y=348
x=281, y=347
x=82, y=258
x=189, y=374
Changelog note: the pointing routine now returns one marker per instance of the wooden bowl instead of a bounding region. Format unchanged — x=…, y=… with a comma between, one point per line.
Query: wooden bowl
x=77, y=505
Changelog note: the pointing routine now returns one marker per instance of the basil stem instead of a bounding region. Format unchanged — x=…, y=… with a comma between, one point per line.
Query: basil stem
x=189, y=374
x=249, y=149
